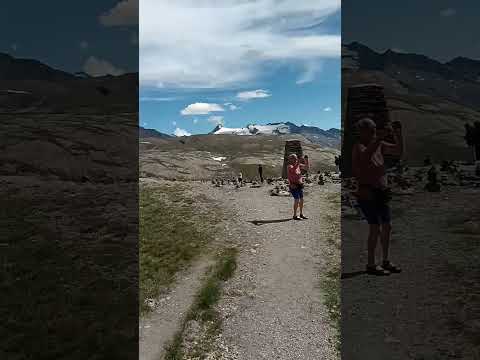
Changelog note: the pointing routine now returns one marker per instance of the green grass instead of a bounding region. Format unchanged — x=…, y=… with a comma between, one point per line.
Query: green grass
x=203, y=308
x=173, y=232
x=330, y=282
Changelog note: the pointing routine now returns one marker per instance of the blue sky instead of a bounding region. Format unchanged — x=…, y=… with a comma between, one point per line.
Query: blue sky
x=67, y=35
x=239, y=64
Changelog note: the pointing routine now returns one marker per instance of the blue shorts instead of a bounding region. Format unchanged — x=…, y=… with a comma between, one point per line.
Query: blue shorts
x=297, y=193
x=375, y=212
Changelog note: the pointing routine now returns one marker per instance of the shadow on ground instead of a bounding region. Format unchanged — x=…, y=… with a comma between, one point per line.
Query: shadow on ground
x=352, y=274
x=263, y=222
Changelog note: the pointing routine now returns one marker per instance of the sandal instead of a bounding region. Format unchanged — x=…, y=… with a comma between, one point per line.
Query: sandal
x=387, y=265
x=296, y=218
x=377, y=270
x=303, y=216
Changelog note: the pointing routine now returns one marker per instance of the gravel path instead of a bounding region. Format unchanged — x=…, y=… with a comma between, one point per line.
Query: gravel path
x=273, y=307
x=429, y=311
x=159, y=327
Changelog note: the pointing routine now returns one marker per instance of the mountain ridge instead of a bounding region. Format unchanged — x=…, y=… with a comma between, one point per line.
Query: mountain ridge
x=432, y=100
x=330, y=138
x=28, y=85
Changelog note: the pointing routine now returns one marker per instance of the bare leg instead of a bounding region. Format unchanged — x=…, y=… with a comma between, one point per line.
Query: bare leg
x=374, y=231
x=385, y=239
x=301, y=206
x=295, y=207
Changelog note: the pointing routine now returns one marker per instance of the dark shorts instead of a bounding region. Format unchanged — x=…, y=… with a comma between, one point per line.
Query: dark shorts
x=375, y=212
x=297, y=193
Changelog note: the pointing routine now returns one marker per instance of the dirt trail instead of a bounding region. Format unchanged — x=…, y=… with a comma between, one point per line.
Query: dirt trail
x=273, y=307
x=431, y=309
x=159, y=327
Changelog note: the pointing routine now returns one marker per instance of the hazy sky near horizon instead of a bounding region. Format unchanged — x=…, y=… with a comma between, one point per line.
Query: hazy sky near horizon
x=96, y=36
x=440, y=29
x=237, y=63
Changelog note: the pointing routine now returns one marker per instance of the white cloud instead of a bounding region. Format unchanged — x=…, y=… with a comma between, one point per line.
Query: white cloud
x=83, y=44
x=448, y=12
x=311, y=70
x=201, y=109
x=328, y=108
x=231, y=106
x=216, y=119
x=181, y=132
x=174, y=123
x=124, y=13
x=232, y=44
x=195, y=120
x=98, y=67
x=151, y=99
x=254, y=94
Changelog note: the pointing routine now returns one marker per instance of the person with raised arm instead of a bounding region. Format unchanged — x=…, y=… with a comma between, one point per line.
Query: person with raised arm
x=296, y=184
x=373, y=193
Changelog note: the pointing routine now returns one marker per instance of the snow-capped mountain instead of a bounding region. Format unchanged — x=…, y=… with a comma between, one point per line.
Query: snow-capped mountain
x=269, y=129
x=330, y=138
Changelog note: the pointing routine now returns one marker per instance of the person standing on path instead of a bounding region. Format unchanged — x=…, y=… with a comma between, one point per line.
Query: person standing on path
x=373, y=193
x=260, y=172
x=295, y=183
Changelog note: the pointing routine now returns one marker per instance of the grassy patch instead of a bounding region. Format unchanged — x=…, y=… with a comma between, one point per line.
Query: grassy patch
x=173, y=232
x=203, y=310
x=330, y=283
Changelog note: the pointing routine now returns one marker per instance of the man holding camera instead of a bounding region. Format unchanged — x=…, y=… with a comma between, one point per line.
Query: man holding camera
x=373, y=192
x=295, y=182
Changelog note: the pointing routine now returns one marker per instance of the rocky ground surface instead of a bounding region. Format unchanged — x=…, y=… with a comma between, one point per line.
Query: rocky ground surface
x=431, y=310
x=273, y=307
x=68, y=236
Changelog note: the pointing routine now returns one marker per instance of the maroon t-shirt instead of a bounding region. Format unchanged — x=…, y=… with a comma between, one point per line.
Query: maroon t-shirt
x=368, y=170
x=294, y=174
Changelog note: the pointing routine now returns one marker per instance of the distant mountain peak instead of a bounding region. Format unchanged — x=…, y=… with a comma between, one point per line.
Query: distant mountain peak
x=218, y=127
x=151, y=133
x=330, y=138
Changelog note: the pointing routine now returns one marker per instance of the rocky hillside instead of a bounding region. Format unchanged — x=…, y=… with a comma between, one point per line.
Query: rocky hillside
x=208, y=156
x=31, y=86
x=433, y=100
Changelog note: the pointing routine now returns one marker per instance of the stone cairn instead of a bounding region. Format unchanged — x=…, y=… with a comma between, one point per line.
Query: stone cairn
x=291, y=147
x=432, y=183
x=366, y=100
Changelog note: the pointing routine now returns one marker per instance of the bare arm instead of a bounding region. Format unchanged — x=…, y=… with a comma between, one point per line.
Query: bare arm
x=397, y=148
x=305, y=166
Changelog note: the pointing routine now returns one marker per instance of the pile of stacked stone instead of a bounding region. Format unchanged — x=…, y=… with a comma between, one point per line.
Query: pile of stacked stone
x=366, y=100
x=280, y=190
x=432, y=184
x=291, y=147
x=321, y=181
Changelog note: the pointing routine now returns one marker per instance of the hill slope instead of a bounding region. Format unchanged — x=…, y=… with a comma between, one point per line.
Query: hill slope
x=433, y=100
x=207, y=156
x=30, y=86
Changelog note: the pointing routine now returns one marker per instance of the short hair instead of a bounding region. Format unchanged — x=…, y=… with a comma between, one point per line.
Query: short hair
x=365, y=123
x=292, y=156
